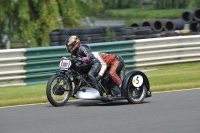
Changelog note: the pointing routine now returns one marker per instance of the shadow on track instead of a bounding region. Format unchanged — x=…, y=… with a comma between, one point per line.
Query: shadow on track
x=85, y=103
x=99, y=103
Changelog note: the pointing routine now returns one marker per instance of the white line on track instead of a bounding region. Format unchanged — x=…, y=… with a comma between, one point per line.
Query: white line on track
x=32, y=104
x=80, y=99
x=21, y=105
x=177, y=90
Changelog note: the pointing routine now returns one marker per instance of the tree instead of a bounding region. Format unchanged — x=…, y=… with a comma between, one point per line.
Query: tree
x=194, y=4
x=33, y=19
x=167, y=4
x=113, y=4
x=73, y=10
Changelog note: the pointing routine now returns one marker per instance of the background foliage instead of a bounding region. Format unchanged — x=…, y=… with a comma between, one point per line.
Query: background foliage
x=167, y=4
x=194, y=4
x=33, y=19
x=113, y=4
x=158, y=4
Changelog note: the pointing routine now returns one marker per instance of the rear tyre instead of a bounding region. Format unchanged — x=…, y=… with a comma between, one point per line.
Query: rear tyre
x=137, y=88
x=58, y=90
x=137, y=95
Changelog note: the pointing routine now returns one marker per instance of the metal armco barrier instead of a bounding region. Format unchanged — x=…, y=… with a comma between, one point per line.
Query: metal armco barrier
x=36, y=65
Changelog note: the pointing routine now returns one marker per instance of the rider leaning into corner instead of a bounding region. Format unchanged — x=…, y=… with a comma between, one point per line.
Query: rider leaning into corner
x=73, y=45
x=116, y=63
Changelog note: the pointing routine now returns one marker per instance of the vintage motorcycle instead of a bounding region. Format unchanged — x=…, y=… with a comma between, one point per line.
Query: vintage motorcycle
x=72, y=81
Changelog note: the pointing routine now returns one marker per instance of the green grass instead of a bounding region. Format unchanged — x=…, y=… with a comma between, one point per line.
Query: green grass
x=14, y=95
x=141, y=14
x=169, y=77
x=177, y=76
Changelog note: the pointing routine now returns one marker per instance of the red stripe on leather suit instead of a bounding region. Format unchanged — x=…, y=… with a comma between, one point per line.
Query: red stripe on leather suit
x=111, y=60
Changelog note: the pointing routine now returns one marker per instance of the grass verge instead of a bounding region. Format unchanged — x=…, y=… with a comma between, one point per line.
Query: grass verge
x=169, y=77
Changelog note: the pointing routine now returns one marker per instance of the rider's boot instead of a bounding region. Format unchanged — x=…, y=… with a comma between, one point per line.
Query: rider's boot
x=120, y=85
x=99, y=89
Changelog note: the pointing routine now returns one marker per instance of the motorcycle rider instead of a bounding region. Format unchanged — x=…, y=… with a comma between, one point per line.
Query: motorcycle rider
x=116, y=62
x=73, y=45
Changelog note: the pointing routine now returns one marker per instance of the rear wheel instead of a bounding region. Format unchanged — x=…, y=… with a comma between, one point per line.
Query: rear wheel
x=58, y=90
x=137, y=95
x=137, y=88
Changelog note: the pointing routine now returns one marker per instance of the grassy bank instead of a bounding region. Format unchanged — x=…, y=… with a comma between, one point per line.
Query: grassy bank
x=140, y=14
x=174, y=77
x=170, y=77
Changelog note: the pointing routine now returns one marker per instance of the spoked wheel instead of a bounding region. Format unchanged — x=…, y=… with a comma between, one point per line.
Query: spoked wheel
x=58, y=90
x=137, y=87
x=137, y=95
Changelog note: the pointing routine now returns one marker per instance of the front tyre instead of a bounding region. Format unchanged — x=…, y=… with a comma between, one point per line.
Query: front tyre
x=58, y=90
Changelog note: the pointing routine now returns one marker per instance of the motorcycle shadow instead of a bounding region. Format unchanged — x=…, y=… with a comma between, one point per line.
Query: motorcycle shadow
x=85, y=103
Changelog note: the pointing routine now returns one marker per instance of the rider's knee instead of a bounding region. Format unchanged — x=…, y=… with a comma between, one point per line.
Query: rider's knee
x=111, y=73
x=90, y=75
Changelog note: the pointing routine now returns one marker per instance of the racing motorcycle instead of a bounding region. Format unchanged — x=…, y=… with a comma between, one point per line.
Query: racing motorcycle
x=71, y=80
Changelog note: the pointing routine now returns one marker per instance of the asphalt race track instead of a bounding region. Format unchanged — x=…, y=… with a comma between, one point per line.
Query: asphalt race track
x=166, y=112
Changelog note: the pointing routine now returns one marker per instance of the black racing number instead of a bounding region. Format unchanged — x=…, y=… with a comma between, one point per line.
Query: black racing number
x=137, y=80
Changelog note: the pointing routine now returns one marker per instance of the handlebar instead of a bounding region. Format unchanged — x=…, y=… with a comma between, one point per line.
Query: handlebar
x=74, y=58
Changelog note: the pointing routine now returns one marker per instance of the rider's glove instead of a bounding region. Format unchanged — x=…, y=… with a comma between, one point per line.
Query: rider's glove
x=85, y=59
x=98, y=77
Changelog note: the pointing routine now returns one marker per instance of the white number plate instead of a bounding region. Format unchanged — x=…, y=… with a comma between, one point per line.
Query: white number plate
x=65, y=64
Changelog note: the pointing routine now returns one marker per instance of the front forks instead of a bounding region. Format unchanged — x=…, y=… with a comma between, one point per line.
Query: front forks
x=77, y=87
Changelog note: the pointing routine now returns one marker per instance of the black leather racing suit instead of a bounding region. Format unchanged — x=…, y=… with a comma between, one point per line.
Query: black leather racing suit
x=85, y=51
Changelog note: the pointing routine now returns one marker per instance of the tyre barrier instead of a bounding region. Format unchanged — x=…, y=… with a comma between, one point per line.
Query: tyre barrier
x=113, y=31
x=136, y=24
x=143, y=32
x=174, y=24
x=117, y=28
x=129, y=30
x=155, y=25
x=147, y=29
x=54, y=36
x=148, y=23
x=194, y=26
x=192, y=17
x=187, y=16
x=159, y=24
x=197, y=14
x=58, y=36
x=164, y=24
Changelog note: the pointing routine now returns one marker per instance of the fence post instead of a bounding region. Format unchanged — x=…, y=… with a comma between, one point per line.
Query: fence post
x=29, y=43
x=8, y=45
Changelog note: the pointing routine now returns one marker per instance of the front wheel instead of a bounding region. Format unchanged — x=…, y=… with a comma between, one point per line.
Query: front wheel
x=58, y=90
